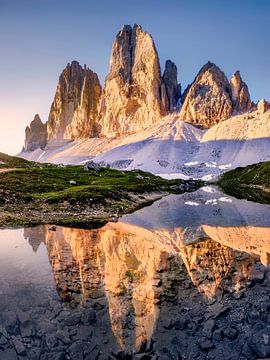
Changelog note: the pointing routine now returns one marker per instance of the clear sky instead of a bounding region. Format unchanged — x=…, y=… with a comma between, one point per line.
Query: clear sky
x=38, y=38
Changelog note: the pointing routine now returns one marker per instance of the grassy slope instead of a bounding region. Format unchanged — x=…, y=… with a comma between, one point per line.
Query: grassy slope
x=42, y=193
x=251, y=182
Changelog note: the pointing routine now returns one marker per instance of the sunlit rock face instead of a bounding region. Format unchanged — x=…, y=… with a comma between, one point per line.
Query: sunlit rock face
x=208, y=99
x=249, y=239
x=35, y=135
x=134, y=96
x=74, y=110
x=213, y=266
x=240, y=94
x=263, y=106
x=138, y=271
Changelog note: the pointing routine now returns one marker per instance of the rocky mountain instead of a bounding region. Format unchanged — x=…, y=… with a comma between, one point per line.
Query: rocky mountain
x=208, y=100
x=172, y=88
x=35, y=135
x=211, y=98
x=74, y=111
x=240, y=94
x=135, y=94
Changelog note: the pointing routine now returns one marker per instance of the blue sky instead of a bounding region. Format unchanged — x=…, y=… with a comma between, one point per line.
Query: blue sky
x=38, y=38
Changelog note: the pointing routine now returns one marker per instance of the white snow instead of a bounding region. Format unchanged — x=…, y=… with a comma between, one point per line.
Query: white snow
x=208, y=189
x=173, y=148
x=225, y=199
x=192, y=203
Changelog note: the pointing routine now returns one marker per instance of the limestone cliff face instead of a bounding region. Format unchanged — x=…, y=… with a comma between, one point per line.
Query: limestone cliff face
x=208, y=100
x=172, y=88
x=74, y=110
x=35, y=135
x=132, y=97
x=240, y=94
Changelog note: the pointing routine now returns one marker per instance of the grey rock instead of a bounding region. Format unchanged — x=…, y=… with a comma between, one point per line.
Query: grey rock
x=8, y=354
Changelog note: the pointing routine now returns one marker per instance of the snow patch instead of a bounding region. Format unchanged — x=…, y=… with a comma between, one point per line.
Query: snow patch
x=225, y=199
x=208, y=189
x=192, y=203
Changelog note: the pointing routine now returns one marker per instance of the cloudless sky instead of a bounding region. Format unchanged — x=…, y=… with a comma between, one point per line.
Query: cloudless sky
x=39, y=37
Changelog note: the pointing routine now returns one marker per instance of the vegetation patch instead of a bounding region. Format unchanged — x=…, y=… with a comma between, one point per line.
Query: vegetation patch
x=35, y=193
x=251, y=182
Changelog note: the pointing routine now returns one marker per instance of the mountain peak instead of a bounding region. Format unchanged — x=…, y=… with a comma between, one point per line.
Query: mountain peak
x=208, y=99
x=240, y=94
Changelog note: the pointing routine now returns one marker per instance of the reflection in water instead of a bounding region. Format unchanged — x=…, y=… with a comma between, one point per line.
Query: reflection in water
x=134, y=262
x=205, y=238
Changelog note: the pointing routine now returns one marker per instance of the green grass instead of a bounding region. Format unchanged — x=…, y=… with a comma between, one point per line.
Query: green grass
x=44, y=193
x=7, y=161
x=251, y=182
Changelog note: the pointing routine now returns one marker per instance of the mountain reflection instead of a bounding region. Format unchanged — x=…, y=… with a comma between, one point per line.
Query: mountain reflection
x=144, y=257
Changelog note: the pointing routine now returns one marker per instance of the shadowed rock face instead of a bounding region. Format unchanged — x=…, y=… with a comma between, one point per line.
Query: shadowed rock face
x=172, y=88
x=240, y=94
x=134, y=96
x=35, y=135
x=74, y=110
x=208, y=100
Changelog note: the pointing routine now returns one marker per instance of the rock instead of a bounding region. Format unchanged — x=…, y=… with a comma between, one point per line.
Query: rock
x=8, y=354
x=205, y=344
x=63, y=336
x=131, y=99
x=230, y=332
x=74, y=110
x=73, y=319
x=257, y=276
x=208, y=328
x=76, y=350
x=35, y=135
x=51, y=341
x=263, y=106
x=19, y=347
x=240, y=94
x=72, y=182
x=91, y=165
x=208, y=100
x=172, y=88
x=260, y=342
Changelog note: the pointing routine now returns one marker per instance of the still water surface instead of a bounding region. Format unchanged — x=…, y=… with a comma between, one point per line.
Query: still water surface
x=185, y=278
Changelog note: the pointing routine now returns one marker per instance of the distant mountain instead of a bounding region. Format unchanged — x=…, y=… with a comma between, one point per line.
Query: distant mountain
x=141, y=119
x=173, y=147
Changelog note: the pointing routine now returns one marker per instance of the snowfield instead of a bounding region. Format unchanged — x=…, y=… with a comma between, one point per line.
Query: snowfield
x=173, y=148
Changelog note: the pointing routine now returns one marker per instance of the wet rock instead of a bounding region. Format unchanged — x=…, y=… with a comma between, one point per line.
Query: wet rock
x=94, y=355
x=260, y=342
x=76, y=350
x=51, y=341
x=19, y=347
x=8, y=354
x=217, y=335
x=257, y=276
x=83, y=333
x=26, y=329
x=215, y=310
x=63, y=336
x=73, y=319
x=205, y=344
x=9, y=320
x=208, y=328
x=230, y=332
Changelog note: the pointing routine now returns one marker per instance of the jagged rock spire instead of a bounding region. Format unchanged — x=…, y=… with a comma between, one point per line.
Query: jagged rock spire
x=240, y=94
x=131, y=99
x=35, y=135
x=173, y=89
x=208, y=99
x=74, y=110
